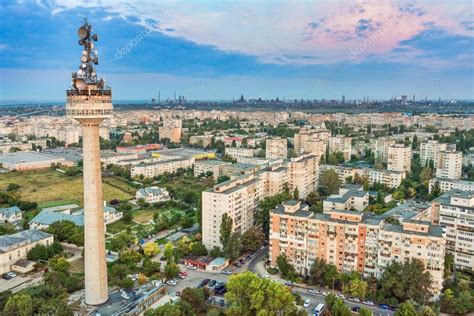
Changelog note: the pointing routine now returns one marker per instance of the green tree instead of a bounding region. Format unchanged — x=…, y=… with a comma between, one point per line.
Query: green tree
x=252, y=239
x=151, y=249
x=248, y=294
x=406, y=309
x=198, y=249
x=426, y=311
x=59, y=264
x=296, y=194
x=233, y=247
x=340, y=309
x=19, y=305
x=169, y=252
x=262, y=217
x=171, y=270
x=285, y=267
x=225, y=229
x=330, y=181
x=364, y=311
x=168, y=309
x=194, y=297
x=316, y=273
x=358, y=288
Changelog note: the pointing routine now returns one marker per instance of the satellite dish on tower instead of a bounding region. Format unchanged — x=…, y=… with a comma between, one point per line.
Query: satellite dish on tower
x=83, y=32
x=80, y=84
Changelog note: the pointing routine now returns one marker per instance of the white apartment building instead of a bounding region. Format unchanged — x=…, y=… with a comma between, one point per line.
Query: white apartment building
x=341, y=144
x=399, y=158
x=449, y=164
x=447, y=185
x=303, y=174
x=380, y=147
x=153, y=169
x=391, y=179
x=275, y=179
x=429, y=151
x=236, y=152
x=211, y=165
x=276, y=148
x=108, y=157
x=455, y=211
x=350, y=197
x=239, y=198
x=16, y=247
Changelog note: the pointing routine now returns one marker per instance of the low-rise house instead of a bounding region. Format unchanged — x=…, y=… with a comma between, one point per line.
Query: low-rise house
x=10, y=214
x=16, y=246
x=72, y=213
x=153, y=194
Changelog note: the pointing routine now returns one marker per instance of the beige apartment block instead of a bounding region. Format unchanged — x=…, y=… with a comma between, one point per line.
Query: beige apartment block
x=153, y=169
x=350, y=197
x=211, y=165
x=239, y=198
x=399, y=158
x=454, y=210
x=449, y=164
x=303, y=174
x=304, y=137
x=380, y=147
x=276, y=148
x=391, y=179
x=275, y=179
x=341, y=144
x=447, y=185
x=429, y=151
x=171, y=129
x=355, y=241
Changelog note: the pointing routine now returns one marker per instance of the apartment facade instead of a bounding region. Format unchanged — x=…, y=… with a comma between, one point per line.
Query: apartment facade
x=454, y=210
x=399, y=158
x=380, y=147
x=236, y=152
x=171, y=129
x=239, y=198
x=341, y=144
x=276, y=148
x=391, y=179
x=275, y=179
x=153, y=169
x=449, y=164
x=303, y=174
x=447, y=185
x=304, y=137
x=204, y=166
x=429, y=151
x=354, y=241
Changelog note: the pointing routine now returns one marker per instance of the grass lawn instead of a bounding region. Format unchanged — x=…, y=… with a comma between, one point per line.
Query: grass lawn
x=47, y=187
x=118, y=226
x=143, y=216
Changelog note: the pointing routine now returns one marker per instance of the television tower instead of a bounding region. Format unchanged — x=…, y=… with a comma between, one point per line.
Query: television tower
x=89, y=101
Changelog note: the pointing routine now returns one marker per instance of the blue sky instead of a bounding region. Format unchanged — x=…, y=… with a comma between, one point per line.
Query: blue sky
x=222, y=49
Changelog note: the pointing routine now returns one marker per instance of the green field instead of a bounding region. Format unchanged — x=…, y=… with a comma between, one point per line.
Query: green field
x=47, y=187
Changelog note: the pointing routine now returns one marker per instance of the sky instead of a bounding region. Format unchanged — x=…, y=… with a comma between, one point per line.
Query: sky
x=219, y=50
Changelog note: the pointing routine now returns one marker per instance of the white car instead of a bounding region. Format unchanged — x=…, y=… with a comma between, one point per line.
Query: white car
x=171, y=282
x=306, y=303
x=342, y=297
x=191, y=267
x=354, y=299
x=313, y=291
x=324, y=293
x=369, y=303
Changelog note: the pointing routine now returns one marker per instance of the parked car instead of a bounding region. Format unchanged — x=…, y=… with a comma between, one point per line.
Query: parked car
x=212, y=283
x=324, y=293
x=171, y=282
x=355, y=309
x=306, y=303
x=289, y=283
x=384, y=306
x=354, y=299
x=206, y=281
x=191, y=267
x=183, y=273
x=341, y=296
x=242, y=261
x=227, y=272
x=313, y=291
x=222, y=303
x=9, y=275
x=369, y=303
x=181, y=276
x=237, y=264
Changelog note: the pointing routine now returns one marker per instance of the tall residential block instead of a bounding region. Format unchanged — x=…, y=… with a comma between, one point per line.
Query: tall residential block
x=276, y=148
x=454, y=210
x=89, y=102
x=239, y=198
x=304, y=137
x=380, y=147
x=429, y=151
x=171, y=129
x=449, y=164
x=303, y=174
x=356, y=241
x=341, y=144
x=399, y=158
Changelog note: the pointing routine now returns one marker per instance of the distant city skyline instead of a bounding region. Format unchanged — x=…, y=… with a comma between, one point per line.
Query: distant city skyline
x=220, y=50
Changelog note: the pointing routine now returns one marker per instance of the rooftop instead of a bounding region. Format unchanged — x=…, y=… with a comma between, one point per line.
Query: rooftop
x=10, y=242
x=26, y=156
